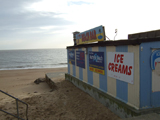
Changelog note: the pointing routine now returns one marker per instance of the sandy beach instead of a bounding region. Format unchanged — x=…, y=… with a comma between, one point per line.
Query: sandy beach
x=66, y=102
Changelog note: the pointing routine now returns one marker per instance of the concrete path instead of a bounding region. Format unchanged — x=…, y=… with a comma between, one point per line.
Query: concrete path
x=151, y=116
x=56, y=75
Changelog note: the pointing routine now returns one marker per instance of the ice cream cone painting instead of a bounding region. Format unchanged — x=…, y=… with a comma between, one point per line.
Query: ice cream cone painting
x=155, y=65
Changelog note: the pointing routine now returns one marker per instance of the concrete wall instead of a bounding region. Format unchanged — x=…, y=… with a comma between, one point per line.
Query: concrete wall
x=123, y=91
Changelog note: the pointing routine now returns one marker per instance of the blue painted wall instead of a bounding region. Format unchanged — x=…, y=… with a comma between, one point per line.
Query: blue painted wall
x=90, y=73
x=155, y=99
x=122, y=87
x=147, y=98
x=74, y=66
x=103, y=78
x=68, y=61
x=80, y=70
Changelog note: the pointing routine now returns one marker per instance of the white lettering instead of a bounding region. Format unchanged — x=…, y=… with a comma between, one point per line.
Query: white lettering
x=71, y=54
x=96, y=58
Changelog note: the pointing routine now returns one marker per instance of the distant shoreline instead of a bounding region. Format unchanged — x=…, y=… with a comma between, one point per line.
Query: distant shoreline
x=33, y=59
x=32, y=68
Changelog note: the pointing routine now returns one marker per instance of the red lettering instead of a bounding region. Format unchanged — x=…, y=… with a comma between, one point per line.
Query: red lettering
x=83, y=37
x=125, y=69
x=118, y=58
x=99, y=71
x=121, y=59
x=119, y=69
x=115, y=58
x=93, y=35
x=130, y=67
x=81, y=56
x=91, y=69
x=116, y=67
x=112, y=69
x=109, y=66
x=87, y=36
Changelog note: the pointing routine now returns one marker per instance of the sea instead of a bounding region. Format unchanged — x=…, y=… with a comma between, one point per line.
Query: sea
x=33, y=59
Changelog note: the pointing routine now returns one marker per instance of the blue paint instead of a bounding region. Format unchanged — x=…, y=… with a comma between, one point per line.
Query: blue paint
x=74, y=69
x=81, y=69
x=147, y=100
x=156, y=99
x=103, y=78
x=71, y=56
x=145, y=76
x=155, y=57
x=68, y=68
x=122, y=87
x=68, y=62
x=90, y=73
x=96, y=60
x=80, y=59
x=100, y=37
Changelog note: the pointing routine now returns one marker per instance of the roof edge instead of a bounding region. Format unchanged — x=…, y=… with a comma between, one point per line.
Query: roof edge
x=116, y=43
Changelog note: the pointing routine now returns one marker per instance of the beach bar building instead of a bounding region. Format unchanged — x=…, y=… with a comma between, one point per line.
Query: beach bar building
x=124, y=75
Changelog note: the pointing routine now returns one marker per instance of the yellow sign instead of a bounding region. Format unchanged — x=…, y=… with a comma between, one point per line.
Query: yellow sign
x=92, y=35
x=96, y=70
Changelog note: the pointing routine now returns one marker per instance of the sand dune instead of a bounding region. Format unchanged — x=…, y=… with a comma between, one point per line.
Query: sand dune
x=66, y=102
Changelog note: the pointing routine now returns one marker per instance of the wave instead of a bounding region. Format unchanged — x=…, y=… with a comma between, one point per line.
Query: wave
x=63, y=63
x=34, y=67
x=31, y=59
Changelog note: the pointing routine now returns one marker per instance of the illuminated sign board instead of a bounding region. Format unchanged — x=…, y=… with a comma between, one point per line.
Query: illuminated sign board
x=96, y=62
x=120, y=66
x=80, y=59
x=92, y=35
x=71, y=56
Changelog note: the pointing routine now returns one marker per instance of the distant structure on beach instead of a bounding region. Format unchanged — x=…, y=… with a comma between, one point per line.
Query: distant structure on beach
x=124, y=75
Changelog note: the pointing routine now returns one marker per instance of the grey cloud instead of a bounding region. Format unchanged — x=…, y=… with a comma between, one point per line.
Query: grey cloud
x=31, y=19
x=15, y=20
x=16, y=3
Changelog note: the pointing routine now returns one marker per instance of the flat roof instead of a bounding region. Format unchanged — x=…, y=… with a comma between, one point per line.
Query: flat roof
x=116, y=43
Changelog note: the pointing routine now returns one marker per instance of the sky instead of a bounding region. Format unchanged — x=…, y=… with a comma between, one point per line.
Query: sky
x=39, y=24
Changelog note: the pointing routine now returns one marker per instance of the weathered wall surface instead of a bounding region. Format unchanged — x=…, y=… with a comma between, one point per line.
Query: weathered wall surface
x=123, y=91
x=148, y=97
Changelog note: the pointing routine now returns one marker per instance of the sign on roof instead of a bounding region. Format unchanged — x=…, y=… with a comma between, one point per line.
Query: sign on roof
x=92, y=35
